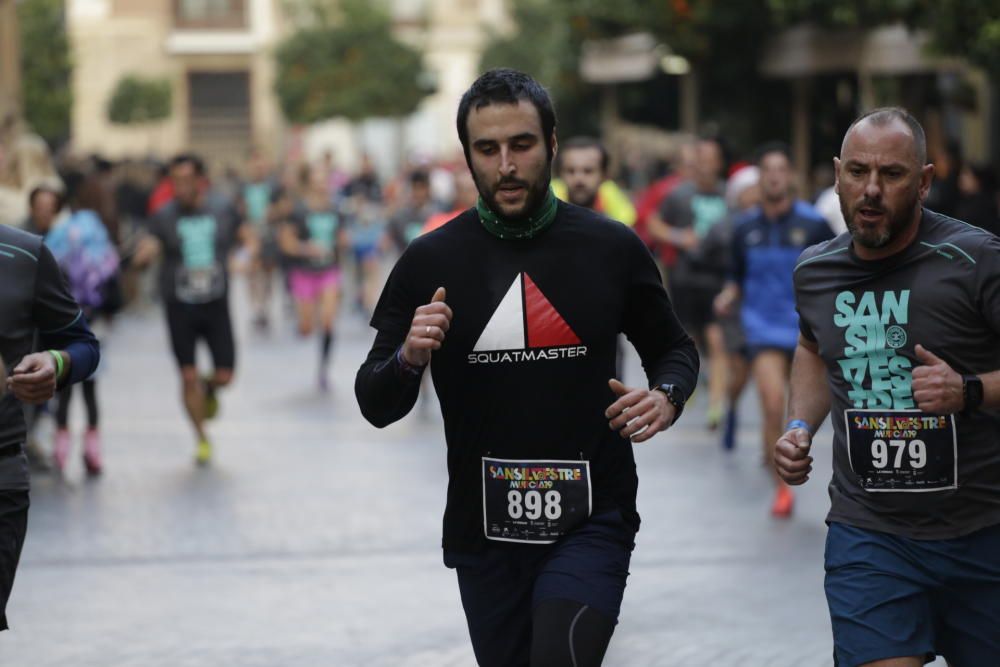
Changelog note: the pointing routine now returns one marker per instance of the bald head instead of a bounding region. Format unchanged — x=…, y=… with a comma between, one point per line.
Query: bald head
x=882, y=180
x=885, y=117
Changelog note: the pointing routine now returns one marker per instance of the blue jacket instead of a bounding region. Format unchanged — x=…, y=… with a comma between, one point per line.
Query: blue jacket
x=764, y=256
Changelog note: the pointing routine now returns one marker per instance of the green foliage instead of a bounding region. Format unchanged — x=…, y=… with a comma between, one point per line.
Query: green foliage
x=346, y=63
x=45, y=68
x=546, y=47
x=723, y=39
x=137, y=100
x=965, y=28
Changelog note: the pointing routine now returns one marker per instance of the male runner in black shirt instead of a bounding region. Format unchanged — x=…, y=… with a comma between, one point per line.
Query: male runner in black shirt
x=194, y=234
x=34, y=300
x=540, y=514
x=900, y=335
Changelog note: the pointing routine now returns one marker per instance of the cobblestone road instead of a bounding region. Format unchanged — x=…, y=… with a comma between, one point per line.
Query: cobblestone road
x=314, y=538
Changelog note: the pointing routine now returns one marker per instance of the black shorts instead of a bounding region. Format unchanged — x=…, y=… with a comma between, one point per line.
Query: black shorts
x=502, y=585
x=13, y=527
x=210, y=322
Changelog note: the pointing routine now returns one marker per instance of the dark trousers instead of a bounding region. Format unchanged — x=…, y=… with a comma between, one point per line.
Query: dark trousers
x=13, y=527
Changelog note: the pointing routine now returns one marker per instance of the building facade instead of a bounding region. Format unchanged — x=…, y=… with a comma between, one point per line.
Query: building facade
x=214, y=53
x=218, y=57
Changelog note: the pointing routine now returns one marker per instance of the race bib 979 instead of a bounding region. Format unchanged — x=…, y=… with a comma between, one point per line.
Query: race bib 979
x=902, y=450
x=534, y=501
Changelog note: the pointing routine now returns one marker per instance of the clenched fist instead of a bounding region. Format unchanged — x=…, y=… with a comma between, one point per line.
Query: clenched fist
x=427, y=330
x=791, y=456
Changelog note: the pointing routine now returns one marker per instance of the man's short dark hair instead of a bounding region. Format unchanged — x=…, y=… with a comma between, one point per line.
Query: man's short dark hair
x=42, y=189
x=188, y=158
x=505, y=86
x=772, y=147
x=586, y=142
x=885, y=115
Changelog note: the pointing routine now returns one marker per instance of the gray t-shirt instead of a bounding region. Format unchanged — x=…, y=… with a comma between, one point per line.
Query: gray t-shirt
x=196, y=244
x=684, y=207
x=896, y=469
x=34, y=297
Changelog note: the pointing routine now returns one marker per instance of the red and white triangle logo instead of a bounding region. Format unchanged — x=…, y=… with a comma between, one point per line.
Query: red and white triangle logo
x=525, y=319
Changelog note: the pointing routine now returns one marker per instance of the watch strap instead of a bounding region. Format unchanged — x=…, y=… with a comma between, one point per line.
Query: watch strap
x=675, y=397
x=972, y=392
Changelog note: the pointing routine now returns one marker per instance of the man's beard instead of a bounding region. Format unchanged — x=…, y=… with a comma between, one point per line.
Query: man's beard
x=896, y=223
x=774, y=196
x=583, y=197
x=536, y=193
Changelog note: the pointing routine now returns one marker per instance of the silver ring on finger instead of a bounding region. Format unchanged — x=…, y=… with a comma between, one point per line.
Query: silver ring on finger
x=427, y=330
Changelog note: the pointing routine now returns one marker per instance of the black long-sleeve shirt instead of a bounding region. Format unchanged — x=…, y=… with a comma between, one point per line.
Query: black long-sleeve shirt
x=35, y=300
x=523, y=372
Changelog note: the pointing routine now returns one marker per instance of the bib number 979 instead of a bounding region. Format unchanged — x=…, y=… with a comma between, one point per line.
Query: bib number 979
x=895, y=450
x=531, y=504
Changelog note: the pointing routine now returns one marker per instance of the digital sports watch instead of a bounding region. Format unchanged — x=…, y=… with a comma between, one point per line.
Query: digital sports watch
x=972, y=392
x=675, y=396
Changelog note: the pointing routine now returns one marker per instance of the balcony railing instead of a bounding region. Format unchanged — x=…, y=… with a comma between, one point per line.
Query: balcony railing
x=210, y=14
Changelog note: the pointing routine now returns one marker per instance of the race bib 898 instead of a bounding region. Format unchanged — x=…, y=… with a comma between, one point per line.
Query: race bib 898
x=534, y=501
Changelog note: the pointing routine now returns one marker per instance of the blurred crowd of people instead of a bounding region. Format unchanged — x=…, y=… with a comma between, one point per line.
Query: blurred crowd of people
x=314, y=225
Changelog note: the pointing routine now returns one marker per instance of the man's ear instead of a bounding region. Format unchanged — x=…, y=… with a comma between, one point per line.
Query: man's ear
x=926, y=178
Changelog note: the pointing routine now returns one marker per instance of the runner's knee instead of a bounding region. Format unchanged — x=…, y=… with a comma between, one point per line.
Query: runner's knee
x=189, y=378
x=222, y=377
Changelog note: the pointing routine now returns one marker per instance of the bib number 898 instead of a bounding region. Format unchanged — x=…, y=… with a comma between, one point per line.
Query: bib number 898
x=916, y=449
x=531, y=505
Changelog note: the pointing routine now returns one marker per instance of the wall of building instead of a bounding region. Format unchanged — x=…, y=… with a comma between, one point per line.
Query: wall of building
x=114, y=38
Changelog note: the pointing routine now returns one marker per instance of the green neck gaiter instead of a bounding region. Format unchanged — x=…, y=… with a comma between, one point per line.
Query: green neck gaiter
x=524, y=228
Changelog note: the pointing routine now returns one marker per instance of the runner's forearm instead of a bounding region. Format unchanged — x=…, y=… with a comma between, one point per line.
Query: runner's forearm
x=386, y=392
x=809, y=395
x=81, y=348
x=679, y=366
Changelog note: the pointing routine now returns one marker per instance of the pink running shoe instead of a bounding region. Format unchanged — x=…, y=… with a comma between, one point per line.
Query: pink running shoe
x=92, y=451
x=60, y=450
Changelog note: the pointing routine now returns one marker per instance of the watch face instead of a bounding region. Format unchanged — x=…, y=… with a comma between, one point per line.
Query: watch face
x=673, y=394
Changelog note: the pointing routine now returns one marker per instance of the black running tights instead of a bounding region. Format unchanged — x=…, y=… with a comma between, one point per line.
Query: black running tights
x=89, y=396
x=569, y=634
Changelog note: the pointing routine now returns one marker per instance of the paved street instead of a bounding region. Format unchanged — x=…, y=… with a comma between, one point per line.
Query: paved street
x=314, y=538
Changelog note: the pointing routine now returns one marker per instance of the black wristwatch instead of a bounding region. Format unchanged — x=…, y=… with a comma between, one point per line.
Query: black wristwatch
x=972, y=392
x=675, y=396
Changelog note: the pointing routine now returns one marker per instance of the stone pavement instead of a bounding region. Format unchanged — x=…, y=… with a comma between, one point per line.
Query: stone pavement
x=314, y=538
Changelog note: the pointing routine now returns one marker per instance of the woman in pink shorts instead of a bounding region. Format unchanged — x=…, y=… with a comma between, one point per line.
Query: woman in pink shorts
x=312, y=238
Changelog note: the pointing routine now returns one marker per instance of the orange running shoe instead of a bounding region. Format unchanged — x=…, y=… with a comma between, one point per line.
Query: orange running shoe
x=784, y=499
